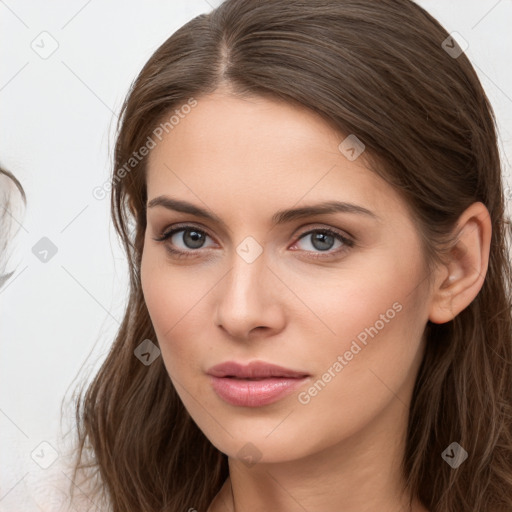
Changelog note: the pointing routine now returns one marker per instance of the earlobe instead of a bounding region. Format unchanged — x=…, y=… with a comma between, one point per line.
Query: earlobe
x=463, y=276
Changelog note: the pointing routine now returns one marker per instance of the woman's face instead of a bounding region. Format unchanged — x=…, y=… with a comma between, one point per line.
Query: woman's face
x=344, y=310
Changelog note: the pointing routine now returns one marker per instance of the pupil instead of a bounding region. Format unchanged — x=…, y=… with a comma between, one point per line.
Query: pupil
x=194, y=239
x=320, y=237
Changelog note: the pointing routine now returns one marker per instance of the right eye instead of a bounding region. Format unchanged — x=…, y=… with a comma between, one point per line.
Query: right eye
x=191, y=238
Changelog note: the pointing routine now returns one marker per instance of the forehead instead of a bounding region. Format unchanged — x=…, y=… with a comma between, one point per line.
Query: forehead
x=242, y=152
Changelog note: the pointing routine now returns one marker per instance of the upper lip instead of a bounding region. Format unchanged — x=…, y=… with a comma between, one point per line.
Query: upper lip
x=255, y=369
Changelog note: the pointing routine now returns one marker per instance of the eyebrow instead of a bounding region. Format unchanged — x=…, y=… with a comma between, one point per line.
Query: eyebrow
x=280, y=217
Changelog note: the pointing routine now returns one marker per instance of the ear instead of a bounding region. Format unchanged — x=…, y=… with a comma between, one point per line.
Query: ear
x=460, y=280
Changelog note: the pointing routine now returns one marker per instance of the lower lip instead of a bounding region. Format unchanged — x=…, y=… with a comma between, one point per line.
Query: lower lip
x=254, y=393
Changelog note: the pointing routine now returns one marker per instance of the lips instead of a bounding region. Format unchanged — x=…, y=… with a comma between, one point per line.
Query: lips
x=255, y=384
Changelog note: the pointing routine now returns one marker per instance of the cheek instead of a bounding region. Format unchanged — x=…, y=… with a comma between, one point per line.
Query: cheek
x=374, y=355
x=169, y=292
x=174, y=299
x=366, y=299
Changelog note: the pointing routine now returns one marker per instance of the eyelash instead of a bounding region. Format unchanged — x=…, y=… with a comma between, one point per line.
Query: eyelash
x=347, y=242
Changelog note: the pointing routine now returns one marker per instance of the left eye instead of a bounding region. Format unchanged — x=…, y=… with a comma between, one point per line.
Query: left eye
x=324, y=239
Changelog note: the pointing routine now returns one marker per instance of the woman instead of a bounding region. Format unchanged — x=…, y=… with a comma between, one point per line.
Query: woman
x=310, y=198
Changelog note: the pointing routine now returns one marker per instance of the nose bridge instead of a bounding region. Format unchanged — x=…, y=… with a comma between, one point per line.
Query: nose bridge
x=244, y=281
x=245, y=299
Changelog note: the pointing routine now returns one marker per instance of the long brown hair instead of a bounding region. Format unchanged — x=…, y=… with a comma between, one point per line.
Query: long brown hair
x=387, y=72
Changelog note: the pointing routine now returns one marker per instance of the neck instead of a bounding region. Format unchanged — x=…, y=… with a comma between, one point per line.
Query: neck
x=363, y=472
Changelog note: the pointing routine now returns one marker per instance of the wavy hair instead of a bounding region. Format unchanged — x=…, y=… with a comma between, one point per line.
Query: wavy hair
x=383, y=71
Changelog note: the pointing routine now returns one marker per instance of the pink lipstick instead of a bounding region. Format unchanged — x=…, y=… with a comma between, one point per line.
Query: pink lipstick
x=255, y=384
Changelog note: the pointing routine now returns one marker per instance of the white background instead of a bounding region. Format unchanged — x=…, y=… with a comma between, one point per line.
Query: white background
x=56, y=135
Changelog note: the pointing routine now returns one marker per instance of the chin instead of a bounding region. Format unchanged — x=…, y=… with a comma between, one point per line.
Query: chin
x=262, y=442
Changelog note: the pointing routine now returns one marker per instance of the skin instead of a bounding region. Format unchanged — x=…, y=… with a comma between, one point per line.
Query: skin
x=243, y=160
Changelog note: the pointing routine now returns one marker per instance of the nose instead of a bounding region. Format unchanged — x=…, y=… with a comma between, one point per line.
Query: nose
x=249, y=301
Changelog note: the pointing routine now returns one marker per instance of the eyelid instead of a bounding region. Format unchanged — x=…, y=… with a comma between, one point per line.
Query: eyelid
x=166, y=232
x=346, y=238
x=200, y=227
x=323, y=227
